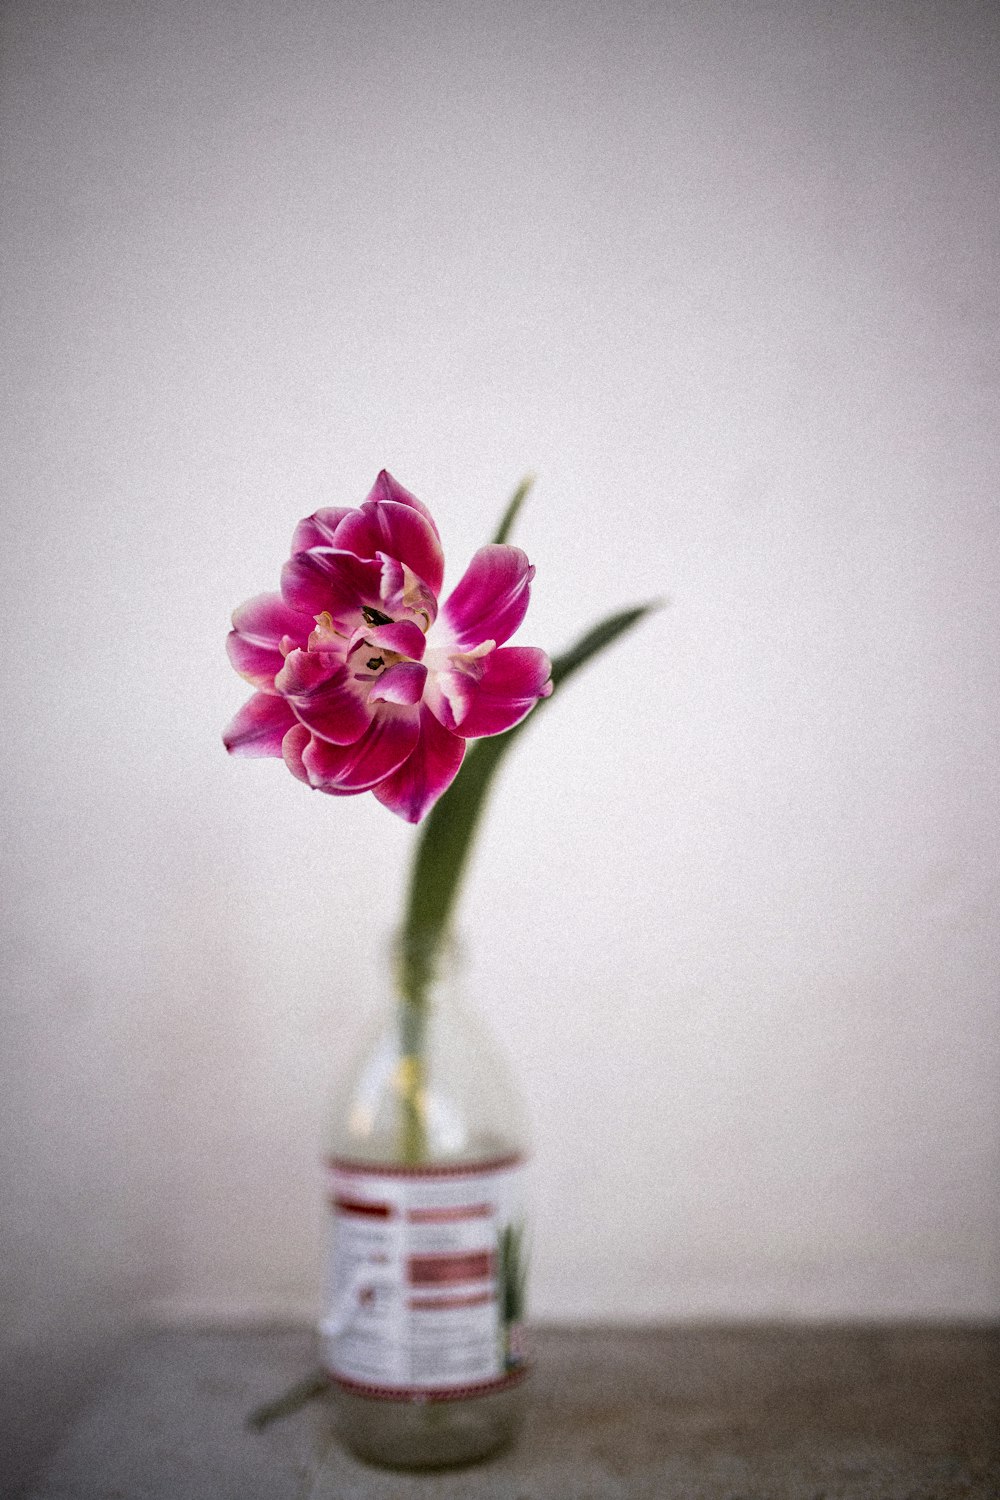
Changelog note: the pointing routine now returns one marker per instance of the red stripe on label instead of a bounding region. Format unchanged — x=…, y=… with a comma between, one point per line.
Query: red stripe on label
x=421, y=1394
x=448, y=1270
x=360, y=1206
x=428, y=1304
x=439, y=1169
x=449, y=1215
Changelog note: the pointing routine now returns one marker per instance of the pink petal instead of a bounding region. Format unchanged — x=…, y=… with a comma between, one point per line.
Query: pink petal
x=292, y=746
x=259, y=727
x=383, y=747
x=267, y=619
x=305, y=672
x=398, y=531
x=259, y=665
x=449, y=696
x=259, y=627
x=402, y=590
x=402, y=636
x=387, y=488
x=513, y=680
x=327, y=579
x=322, y=693
x=317, y=530
x=490, y=600
x=425, y=774
x=403, y=683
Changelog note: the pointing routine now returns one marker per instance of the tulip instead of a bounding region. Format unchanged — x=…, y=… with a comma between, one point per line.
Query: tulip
x=363, y=683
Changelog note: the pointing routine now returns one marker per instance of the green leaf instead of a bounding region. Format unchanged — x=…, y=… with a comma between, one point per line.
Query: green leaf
x=595, y=640
x=511, y=513
x=446, y=837
x=292, y=1400
x=512, y=1272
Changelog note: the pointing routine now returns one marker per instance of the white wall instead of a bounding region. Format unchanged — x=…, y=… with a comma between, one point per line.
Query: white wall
x=726, y=278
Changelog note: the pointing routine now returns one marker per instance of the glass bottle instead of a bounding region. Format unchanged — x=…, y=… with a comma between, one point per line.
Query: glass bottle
x=422, y=1332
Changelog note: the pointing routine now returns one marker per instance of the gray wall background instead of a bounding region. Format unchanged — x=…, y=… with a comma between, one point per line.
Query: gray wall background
x=726, y=278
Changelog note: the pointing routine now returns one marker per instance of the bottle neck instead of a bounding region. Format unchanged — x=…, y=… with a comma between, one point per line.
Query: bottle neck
x=424, y=973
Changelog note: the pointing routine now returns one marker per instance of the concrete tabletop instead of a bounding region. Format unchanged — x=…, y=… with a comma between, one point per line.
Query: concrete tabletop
x=740, y=1413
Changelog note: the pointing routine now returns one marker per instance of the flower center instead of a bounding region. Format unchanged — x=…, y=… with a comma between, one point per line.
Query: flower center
x=380, y=661
x=366, y=658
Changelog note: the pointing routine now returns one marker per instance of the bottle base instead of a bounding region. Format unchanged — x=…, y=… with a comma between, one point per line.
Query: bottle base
x=426, y=1434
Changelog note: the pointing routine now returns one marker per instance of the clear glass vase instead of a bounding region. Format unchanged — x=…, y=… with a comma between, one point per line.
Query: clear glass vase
x=422, y=1334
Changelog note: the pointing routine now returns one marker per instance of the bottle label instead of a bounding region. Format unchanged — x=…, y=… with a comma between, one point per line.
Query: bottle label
x=426, y=1279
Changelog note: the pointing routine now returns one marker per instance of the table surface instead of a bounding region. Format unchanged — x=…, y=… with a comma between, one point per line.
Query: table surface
x=726, y=1413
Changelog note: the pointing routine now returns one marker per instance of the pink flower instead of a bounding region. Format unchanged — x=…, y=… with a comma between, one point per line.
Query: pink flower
x=362, y=683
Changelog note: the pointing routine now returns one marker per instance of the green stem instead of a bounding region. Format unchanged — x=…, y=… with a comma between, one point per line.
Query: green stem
x=412, y=1081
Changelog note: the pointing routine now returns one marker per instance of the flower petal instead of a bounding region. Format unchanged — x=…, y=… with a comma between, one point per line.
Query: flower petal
x=383, y=747
x=491, y=598
x=450, y=687
x=402, y=591
x=266, y=619
x=258, y=665
x=259, y=727
x=398, y=531
x=331, y=580
x=322, y=694
x=259, y=628
x=317, y=530
x=402, y=636
x=412, y=790
x=327, y=579
x=512, y=682
x=387, y=488
x=292, y=746
x=403, y=683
